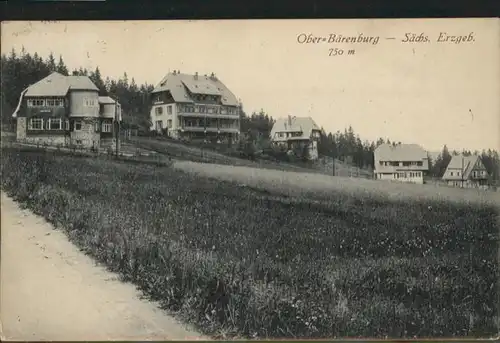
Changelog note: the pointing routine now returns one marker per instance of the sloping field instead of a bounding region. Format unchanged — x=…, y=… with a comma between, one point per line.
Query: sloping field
x=184, y=152
x=324, y=185
x=285, y=254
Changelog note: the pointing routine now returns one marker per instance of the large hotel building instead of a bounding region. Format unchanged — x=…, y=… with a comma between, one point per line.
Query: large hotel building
x=195, y=106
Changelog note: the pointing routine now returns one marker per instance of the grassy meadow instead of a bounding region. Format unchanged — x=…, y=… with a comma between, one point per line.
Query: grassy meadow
x=263, y=253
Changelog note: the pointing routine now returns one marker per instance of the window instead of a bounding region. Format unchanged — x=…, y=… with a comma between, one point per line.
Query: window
x=159, y=111
x=169, y=123
x=35, y=124
x=202, y=109
x=451, y=173
x=55, y=124
x=36, y=102
x=55, y=102
x=89, y=102
x=106, y=127
x=78, y=125
x=169, y=109
x=96, y=126
x=67, y=124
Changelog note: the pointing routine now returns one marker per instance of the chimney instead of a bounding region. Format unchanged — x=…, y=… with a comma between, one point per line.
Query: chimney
x=196, y=76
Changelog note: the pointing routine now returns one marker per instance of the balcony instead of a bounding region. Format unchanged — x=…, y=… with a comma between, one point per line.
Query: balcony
x=229, y=130
x=195, y=129
x=209, y=129
x=208, y=115
x=413, y=167
x=202, y=110
x=45, y=111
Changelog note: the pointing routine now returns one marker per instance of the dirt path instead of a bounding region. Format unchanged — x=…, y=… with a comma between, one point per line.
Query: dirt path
x=52, y=291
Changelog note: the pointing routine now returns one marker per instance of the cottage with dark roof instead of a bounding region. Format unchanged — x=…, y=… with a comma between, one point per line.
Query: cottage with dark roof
x=401, y=162
x=195, y=107
x=466, y=171
x=65, y=110
x=293, y=133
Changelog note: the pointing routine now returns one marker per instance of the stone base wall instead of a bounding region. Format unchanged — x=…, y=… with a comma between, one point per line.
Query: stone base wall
x=21, y=128
x=85, y=139
x=46, y=140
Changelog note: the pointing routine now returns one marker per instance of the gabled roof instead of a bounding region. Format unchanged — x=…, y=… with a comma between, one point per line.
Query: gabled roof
x=305, y=125
x=57, y=84
x=179, y=84
x=400, y=152
x=465, y=163
x=81, y=83
x=53, y=85
x=201, y=86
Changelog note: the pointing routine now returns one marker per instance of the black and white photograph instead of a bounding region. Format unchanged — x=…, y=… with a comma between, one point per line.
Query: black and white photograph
x=250, y=179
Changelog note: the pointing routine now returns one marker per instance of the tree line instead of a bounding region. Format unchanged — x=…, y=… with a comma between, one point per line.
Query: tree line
x=20, y=70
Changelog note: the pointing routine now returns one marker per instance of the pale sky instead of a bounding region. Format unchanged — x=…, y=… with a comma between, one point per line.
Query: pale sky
x=430, y=93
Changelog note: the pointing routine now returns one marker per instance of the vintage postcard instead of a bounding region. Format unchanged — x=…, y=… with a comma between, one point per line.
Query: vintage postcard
x=250, y=179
